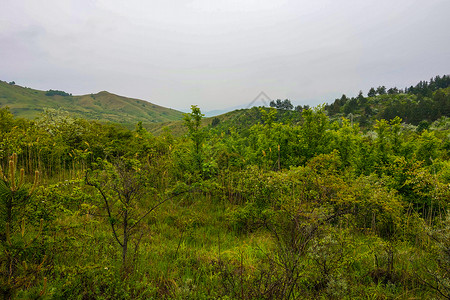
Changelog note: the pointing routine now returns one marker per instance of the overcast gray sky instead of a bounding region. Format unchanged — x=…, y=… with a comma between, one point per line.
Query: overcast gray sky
x=218, y=54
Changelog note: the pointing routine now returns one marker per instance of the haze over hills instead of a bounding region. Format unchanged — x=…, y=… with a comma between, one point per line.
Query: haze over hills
x=103, y=106
x=218, y=112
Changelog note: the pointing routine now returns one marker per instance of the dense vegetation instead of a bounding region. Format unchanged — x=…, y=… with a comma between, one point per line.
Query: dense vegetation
x=283, y=205
x=56, y=92
x=425, y=102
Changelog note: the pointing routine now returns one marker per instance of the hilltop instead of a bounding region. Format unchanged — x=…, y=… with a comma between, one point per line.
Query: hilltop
x=104, y=106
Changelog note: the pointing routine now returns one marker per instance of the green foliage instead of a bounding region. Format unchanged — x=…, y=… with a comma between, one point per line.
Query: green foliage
x=347, y=142
x=428, y=147
x=57, y=93
x=371, y=93
x=282, y=104
x=21, y=264
x=267, y=204
x=419, y=105
x=193, y=122
x=314, y=135
x=121, y=187
x=215, y=122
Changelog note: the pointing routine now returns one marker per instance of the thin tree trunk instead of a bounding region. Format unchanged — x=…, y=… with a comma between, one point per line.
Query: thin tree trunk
x=125, y=239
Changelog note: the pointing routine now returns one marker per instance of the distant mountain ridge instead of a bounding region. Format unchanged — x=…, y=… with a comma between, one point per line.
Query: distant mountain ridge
x=103, y=106
x=218, y=112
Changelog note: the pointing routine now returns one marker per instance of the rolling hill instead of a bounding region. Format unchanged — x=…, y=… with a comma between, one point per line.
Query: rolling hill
x=177, y=128
x=103, y=106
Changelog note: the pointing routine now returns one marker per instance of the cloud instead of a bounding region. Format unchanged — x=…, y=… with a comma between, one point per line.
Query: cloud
x=219, y=54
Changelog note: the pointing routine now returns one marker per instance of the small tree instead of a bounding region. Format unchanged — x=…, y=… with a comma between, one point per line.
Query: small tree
x=299, y=108
x=282, y=104
x=287, y=104
x=372, y=92
x=193, y=122
x=16, y=269
x=381, y=90
x=123, y=189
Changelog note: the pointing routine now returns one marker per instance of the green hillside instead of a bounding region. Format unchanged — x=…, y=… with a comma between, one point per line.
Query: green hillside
x=103, y=106
x=177, y=128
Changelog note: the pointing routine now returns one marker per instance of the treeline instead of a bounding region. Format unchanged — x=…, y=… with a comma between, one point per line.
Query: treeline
x=423, y=103
x=426, y=101
x=423, y=88
x=426, y=88
x=57, y=93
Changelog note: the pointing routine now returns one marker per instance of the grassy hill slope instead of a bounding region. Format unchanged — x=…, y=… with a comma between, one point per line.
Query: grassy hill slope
x=177, y=128
x=103, y=106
